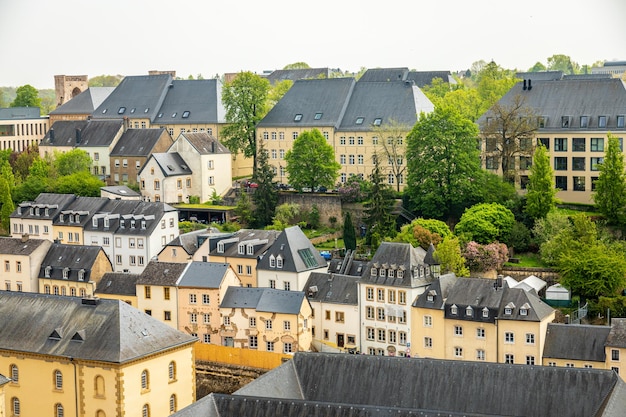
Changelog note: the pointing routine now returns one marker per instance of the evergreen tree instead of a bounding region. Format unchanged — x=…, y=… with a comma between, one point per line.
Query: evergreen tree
x=349, y=235
x=265, y=196
x=243, y=209
x=378, y=218
x=7, y=205
x=610, y=195
x=541, y=195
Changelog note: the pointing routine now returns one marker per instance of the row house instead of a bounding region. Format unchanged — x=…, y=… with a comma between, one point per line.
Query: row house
x=91, y=357
x=120, y=286
x=574, y=118
x=184, y=247
x=22, y=127
x=359, y=119
x=20, y=259
x=156, y=291
x=266, y=319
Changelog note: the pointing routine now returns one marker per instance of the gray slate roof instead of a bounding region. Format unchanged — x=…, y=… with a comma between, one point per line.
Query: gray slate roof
x=164, y=274
x=439, y=290
x=3, y=380
x=17, y=113
x=138, y=142
x=171, y=164
x=109, y=331
x=255, y=236
x=617, y=335
x=277, y=76
x=292, y=245
x=15, y=246
x=398, y=256
x=203, y=275
x=263, y=299
x=201, y=98
x=576, y=342
x=76, y=258
x=85, y=207
x=205, y=144
x=332, y=288
x=121, y=190
x=54, y=202
x=118, y=283
x=82, y=133
x=86, y=102
x=191, y=241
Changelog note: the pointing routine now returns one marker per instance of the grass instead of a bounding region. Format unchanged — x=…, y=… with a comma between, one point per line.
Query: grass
x=330, y=244
x=528, y=260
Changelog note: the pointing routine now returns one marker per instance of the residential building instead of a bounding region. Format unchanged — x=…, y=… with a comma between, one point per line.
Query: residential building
x=72, y=270
x=266, y=319
x=200, y=290
x=366, y=385
x=157, y=292
x=69, y=226
x=81, y=106
x=575, y=346
x=167, y=178
x=118, y=286
x=288, y=262
x=614, y=68
x=20, y=260
x=183, y=248
x=615, y=347
x=91, y=357
x=22, y=127
x=394, y=277
x=119, y=192
x=336, y=321
x=35, y=218
x=574, y=118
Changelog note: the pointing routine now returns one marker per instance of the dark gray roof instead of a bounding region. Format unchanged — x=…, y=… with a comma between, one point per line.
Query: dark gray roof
x=332, y=288
x=86, y=102
x=85, y=207
x=260, y=239
x=574, y=98
x=15, y=246
x=121, y=190
x=424, y=78
x=576, y=342
x=171, y=164
x=118, y=283
x=74, y=258
x=541, y=75
x=16, y=113
x=191, y=241
x=204, y=143
x=294, y=248
x=263, y=299
x=277, y=76
x=353, y=267
x=138, y=142
x=617, y=335
x=53, y=202
x=202, y=99
x=3, y=380
x=438, y=290
x=203, y=275
x=162, y=273
x=83, y=133
x=399, y=257
x=103, y=330
x=308, y=98
x=384, y=75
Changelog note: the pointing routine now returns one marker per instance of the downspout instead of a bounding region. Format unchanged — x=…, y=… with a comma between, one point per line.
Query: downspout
x=75, y=385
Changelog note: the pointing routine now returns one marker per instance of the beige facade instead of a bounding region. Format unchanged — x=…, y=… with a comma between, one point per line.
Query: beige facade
x=160, y=302
x=428, y=333
x=20, y=260
x=21, y=128
x=66, y=87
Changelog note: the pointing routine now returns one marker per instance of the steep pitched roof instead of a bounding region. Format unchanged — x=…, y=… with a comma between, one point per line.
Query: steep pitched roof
x=438, y=290
x=332, y=288
x=72, y=259
x=260, y=240
x=190, y=241
x=118, y=283
x=86, y=102
x=263, y=299
x=99, y=330
x=576, y=342
x=203, y=275
x=162, y=273
x=424, y=78
x=192, y=101
x=15, y=246
x=204, y=143
x=171, y=164
x=295, y=249
x=379, y=75
x=85, y=207
x=53, y=202
x=617, y=335
x=138, y=142
x=277, y=76
x=82, y=133
x=398, y=257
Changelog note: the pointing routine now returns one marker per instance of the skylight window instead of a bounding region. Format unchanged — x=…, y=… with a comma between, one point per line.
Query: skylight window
x=377, y=121
x=160, y=115
x=297, y=118
x=104, y=111
x=185, y=114
x=121, y=110
x=359, y=121
x=174, y=114
x=132, y=110
x=318, y=116
x=146, y=110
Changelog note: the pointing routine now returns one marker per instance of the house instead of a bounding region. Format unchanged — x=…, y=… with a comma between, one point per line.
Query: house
x=22, y=127
x=72, y=270
x=132, y=151
x=35, y=218
x=328, y=384
x=183, y=248
x=266, y=319
x=119, y=192
x=89, y=356
x=288, y=262
x=69, y=225
x=156, y=291
x=20, y=260
x=575, y=346
x=394, y=277
x=574, y=118
x=336, y=321
x=200, y=290
x=166, y=177
x=615, y=347
x=118, y=286
x=81, y=105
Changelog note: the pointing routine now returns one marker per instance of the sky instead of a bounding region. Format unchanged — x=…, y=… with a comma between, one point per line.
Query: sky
x=42, y=38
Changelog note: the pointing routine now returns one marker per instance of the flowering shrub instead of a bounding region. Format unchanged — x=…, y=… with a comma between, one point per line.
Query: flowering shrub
x=354, y=190
x=485, y=257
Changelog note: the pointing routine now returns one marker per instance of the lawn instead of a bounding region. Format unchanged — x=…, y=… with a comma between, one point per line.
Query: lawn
x=528, y=260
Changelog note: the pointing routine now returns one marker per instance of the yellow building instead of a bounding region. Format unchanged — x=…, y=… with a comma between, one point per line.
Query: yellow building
x=266, y=319
x=118, y=286
x=157, y=291
x=576, y=346
x=615, y=347
x=91, y=357
x=20, y=260
x=21, y=128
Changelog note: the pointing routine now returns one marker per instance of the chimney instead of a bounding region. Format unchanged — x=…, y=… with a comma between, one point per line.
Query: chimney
x=499, y=280
x=529, y=85
x=51, y=134
x=212, y=147
x=126, y=123
x=524, y=87
x=78, y=136
x=24, y=237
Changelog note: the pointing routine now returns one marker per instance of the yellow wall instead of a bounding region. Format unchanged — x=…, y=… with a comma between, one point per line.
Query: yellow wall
x=157, y=303
x=620, y=364
x=237, y=264
x=576, y=363
x=174, y=254
x=128, y=299
x=420, y=331
x=237, y=356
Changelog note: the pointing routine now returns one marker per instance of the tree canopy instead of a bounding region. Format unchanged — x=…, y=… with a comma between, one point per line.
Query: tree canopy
x=265, y=196
x=541, y=194
x=26, y=96
x=485, y=223
x=610, y=194
x=105, y=80
x=311, y=161
x=67, y=163
x=378, y=216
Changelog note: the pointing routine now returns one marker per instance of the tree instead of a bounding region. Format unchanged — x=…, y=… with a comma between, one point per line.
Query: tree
x=7, y=205
x=311, y=161
x=244, y=99
x=541, y=194
x=277, y=92
x=378, y=210
x=450, y=258
x=265, y=197
x=538, y=67
x=105, y=80
x=563, y=63
x=576, y=233
x=485, y=223
x=26, y=96
x=80, y=183
x=71, y=162
x=493, y=82
x=443, y=164
x=297, y=65
x=392, y=143
x=349, y=234
x=243, y=209
x=508, y=130
x=423, y=232
x=483, y=258
x=610, y=194
x=354, y=190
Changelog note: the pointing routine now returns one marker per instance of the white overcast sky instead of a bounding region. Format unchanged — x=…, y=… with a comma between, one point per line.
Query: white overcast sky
x=41, y=38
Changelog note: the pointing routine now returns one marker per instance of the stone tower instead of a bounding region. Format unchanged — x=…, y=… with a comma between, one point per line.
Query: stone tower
x=69, y=86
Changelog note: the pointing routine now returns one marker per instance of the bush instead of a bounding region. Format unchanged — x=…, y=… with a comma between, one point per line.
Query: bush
x=482, y=258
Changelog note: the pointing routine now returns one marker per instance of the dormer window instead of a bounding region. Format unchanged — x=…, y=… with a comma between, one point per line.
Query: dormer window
x=400, y=273
x=61, y=218
x=390, y=273
x=508, y=309
x=602, y=122
x=272, y=261
x=378, y=121
x=94, y=222
x=318, y=116
x=132, y=224
x=31, y=211
x=250, y=250
x=220, y=247
x=121, y=110
x=485, y=312
x=66, y=273
x=81, y=275
x=106, y=222
x=565, y=122
x=186, y=114
x=381, y=272
x=46, y=212
x=359, y=121
x=122, y=225
x=37, y=211
x=241, y=250
x=523, y=310
x=454, y=310
x=143, y=224
x=77, y=218
x=431, y=296
x=47, y=271
x=374, y=272
x=584, y=121
x=469, y=311
x=297, y=118
x=279, y=261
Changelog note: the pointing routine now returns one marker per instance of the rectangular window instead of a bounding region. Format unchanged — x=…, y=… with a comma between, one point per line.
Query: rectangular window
x=339, y=317
x=167, y=315
x=369, y=312
x=560, y=163
x=206, y=299
x=509, y=358
x=530, y=338
x=578, y=144
x=166, y=293
x=428, y=321
x=402, y=338
x=147, y=292
x=286, y=325
x=578, y=164
x=402, y=297
x=560, y=182
x=615, y=354
x=370, y=333
x=226, y=320
x=560, y=144
x=602, y=122
x=595, y=162
x=458, y=352
x=193, y=298
x=480, y=333
x=480, y=355
x=381, y=294
x=620, y=122
x=597, y=144
x=530, y=360
x=268, y=324
x=579, y=183
x=206, y=318
x=544, y=141
x=382, y=335
x=584, y=122
x=458, y=330
x=380, y=313
x=370, y=293
x=509, y=337
x=428, y=342
x=525, y=162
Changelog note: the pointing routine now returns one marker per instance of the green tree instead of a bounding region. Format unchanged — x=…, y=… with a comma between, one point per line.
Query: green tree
x=443, y=164
x=265, y=197
x=349, y=234
x=448, y=253
x=26, y=96
x=105, y=80
x=71, y=162
x=244, y=99
x=48, y=100
x=392, y=144
x=493, y=82
x=243, y=209
x=466, y=101
x=81, y=183
x=297, y=65
x=538, y=67
x=277, y=92
x=563, y=63
x=423, y=232
x=311, y=161
x=24, y=160
x=378, y=217
x=541, y=194
x=7, y=205
x=610, y=194
x=570, y=237
x=485, y=223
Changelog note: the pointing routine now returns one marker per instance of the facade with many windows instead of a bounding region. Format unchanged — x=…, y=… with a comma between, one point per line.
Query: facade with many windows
x=20, y=260
x=22, y=127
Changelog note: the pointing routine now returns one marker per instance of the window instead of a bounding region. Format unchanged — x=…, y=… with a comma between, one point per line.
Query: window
x=578, y=144
x=565, y=122
x=253, y=342
x=509, y=358
x=530, y=360
x=145, y=411
x=525, y=162
x=458, y=330
x=595, y=162
x=167, y=315
x=620, y=121
x=454, y=310
x=145, y=379
x=530, y=338
x=560, y=144
x=615, y=354
x=249, y=269
x=382, y=334
x=206, y=318
x=578, y=164
x=597, y=144
x=378, y=121
x=14, y=374
x=560, y=163
x=401, y=296
x=193, y=298
x=287, y=348
x=269, y=346
x=351, y=159
x=226, y=320
x=206, y=299
x=58, y=410
x=380, y=313
x=381, y=293
x=294, y=135
x=15, y=406
x=428, y=321
x=480, y=333
x=428, y=342
x=509, y=337
x=193, y=317
x=480, y=355
x=551, y=363
x=402, y=338
x=579, y=183
x=171, y=371
x=560, y=182
x=166, y=293
x=272, y=283
x=147, y=291
x=206, y=338
x=369, y=312
x=458, y=352
x=584, y=122
x=469, y=311
x=268, y=324
x=369, y=290
x=173, y=398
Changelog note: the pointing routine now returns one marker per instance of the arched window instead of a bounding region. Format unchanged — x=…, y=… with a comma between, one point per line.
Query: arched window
x=100, y=413
x=83, y=292
x=99, y=386
x=58, y=379
x=145, y=379
x=55, y=290
x=73, y=292
x=15, y=406
x=62, y=290
x=172, y=371
x=145, y=411
x=15, y=374
x=58, y=409
x=46, y=289
x=173, y=403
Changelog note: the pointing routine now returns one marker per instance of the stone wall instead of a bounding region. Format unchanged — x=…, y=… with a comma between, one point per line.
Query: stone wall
x=222, y=378
x=550, y=276
x=329, y=205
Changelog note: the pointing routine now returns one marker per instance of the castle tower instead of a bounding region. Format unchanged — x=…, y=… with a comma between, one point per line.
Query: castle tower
x=67, y=87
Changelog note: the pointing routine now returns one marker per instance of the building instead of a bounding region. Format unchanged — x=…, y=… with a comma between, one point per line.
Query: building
x=118, y=286
x=615, y=346
x=21, y=259
x=81, y=106
x=574, y=118
x=157, y=291
x=167, y=178
x=575, y=346
x=266, y=319
x=119, y=192
x=91, y=357
x=67, y=87
x=183, y=248
x=22, y=127
x=35, y=218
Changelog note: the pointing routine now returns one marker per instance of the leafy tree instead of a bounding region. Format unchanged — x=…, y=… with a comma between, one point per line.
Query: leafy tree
x=466, y=101
x=7, y=205
x=393, y=149
x=493, y=82
x=538, y=67
x=579, y=232
x=71, y=162
x=519, y=239
x=265, y=196
x=6, y=172
x=548, y=227
x=508, y=131
x=24, y=160
x=243, y=209
x=297, y=65
x=493, y=189
x=450, y=258
x=48, y=100
x=485, y=223
x=485, y=257
x=436, y=90
x=563, y=63
x=105, y=80
x=610, y=194
x=244, y=99
x=81, y=183
x=26, y=96
x=36, y=182
x=443, y=163
x=541, y=194
x=349, y=234
x=423, y=232
x=378, y=218
x=354, y=190
x=311, y=161
x=277, y=92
